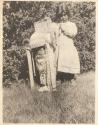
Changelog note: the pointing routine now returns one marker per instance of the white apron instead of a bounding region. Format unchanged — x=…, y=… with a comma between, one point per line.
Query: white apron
x=68, y=59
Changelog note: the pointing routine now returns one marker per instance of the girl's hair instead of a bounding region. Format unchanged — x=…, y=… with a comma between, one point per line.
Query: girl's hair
x=64, y=18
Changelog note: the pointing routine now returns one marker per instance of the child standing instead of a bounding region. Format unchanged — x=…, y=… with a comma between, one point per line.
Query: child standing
x=68, y=59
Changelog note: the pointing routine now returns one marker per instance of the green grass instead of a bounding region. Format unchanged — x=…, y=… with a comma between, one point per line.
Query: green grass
x=72, y=103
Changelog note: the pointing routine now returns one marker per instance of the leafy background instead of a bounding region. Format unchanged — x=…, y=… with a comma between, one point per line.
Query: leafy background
x=18, y=20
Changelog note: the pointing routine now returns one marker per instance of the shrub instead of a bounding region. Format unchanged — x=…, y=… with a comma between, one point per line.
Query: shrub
x=18, y=24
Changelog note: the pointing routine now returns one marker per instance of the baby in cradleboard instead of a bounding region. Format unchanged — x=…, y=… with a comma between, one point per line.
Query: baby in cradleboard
x=42, y=45
x=68, y=58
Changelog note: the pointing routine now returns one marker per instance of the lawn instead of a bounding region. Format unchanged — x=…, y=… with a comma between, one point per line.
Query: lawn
x=72, y=103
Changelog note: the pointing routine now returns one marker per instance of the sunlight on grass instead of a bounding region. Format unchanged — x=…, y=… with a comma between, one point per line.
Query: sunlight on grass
x=72, y=103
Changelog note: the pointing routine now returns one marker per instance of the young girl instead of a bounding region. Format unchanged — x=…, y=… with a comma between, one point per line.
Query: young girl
x=68, y=59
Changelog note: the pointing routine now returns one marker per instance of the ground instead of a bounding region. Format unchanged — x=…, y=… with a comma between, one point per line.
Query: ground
x=72, y=103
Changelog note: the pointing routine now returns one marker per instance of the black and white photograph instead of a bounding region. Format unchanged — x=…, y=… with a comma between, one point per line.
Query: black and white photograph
x=49, y=62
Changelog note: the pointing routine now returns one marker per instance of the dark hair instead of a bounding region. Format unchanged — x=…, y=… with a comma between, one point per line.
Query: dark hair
x=64, y=18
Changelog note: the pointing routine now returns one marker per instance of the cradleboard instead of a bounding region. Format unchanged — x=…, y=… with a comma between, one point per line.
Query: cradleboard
x=31, y=65
x=37, y=40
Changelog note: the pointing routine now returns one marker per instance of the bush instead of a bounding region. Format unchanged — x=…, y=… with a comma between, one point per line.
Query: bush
x=18, y=24
x=15, y=64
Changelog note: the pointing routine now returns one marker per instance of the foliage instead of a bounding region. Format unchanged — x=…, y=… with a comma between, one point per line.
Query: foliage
x=18, y=24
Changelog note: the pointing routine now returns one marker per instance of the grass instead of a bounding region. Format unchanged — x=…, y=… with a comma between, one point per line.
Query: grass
x=72, y=103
